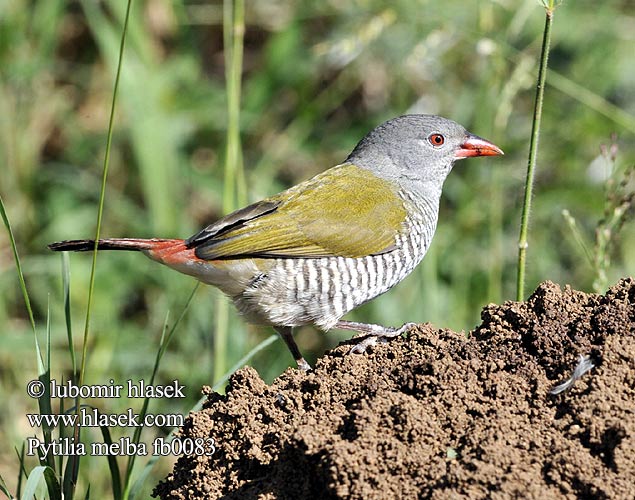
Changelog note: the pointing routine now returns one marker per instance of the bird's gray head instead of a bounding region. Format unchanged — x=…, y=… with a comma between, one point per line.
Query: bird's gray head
x=418, y=151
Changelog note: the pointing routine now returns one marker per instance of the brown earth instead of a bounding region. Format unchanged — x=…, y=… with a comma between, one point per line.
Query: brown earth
x=437, y=414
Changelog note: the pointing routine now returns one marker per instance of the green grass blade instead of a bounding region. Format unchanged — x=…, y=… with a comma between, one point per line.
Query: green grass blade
x=145, y=473
x=165, y=341
x=66, y=283
x=115, y=477
x=243, y=361
x=44, y=402
x=146, y=401
x=592, y=100
x=62, y=435
x=71, y=472
x=221, y=336
x=578, y=236
x=41, y=479
x=22, y=473
x=25, y=293
x=4, y=489
x=67, y=483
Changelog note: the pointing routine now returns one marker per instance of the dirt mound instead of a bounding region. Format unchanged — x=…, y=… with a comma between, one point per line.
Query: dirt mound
x=437, y=414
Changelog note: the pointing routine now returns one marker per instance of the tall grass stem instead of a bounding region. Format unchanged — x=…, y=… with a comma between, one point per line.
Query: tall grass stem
x=100, y=211
x=533, y=151
x=102, y=193
x=234, y=189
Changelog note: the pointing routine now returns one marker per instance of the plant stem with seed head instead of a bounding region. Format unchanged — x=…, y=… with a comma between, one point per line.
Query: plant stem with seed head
x=533, y=152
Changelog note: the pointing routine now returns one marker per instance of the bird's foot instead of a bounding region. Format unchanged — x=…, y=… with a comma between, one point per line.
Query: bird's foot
x=371, y=334
x=303, y=366
x=286, y=332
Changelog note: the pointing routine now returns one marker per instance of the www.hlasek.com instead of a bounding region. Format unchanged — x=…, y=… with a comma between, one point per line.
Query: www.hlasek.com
x=91, y=417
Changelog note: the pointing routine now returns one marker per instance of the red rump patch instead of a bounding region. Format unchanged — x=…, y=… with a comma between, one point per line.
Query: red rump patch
x=171, y=252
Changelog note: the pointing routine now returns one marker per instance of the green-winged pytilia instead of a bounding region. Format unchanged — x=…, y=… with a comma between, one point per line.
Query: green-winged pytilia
x=316, y=251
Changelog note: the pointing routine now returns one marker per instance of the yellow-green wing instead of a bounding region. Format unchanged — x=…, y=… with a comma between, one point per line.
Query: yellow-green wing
x=346, y=211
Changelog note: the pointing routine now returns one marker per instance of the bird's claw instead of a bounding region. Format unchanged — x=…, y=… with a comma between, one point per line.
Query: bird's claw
x=362, y=345
x=383, y=337
x=303, y=366
x=406, y=327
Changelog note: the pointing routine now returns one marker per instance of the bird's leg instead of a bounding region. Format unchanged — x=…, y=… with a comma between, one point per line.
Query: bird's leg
x=363, y=328
x=372, y=333
x=286, y=332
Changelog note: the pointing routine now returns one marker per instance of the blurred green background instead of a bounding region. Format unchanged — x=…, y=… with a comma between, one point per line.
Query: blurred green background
x=316, y=77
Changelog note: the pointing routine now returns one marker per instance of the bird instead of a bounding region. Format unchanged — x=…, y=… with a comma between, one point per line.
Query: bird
x=314, y=252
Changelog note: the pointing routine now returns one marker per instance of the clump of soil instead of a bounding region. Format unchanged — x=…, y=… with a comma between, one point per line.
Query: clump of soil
x=437, y=414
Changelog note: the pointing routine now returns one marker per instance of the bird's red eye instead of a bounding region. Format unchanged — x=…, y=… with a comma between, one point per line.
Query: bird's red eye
x=436, y=139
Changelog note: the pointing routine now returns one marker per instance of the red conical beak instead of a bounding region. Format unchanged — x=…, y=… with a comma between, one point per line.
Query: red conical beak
x=477, y=146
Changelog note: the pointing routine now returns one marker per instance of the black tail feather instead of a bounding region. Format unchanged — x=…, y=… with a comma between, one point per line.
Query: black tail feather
x=106, y=244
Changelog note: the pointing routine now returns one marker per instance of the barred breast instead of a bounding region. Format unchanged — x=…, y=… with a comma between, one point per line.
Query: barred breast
x=294, y=292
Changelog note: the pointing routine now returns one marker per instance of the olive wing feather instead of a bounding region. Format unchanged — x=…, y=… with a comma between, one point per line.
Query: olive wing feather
x=346, y=211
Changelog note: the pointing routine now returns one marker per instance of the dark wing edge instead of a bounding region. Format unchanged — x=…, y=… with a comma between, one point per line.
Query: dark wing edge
x=232, y=221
